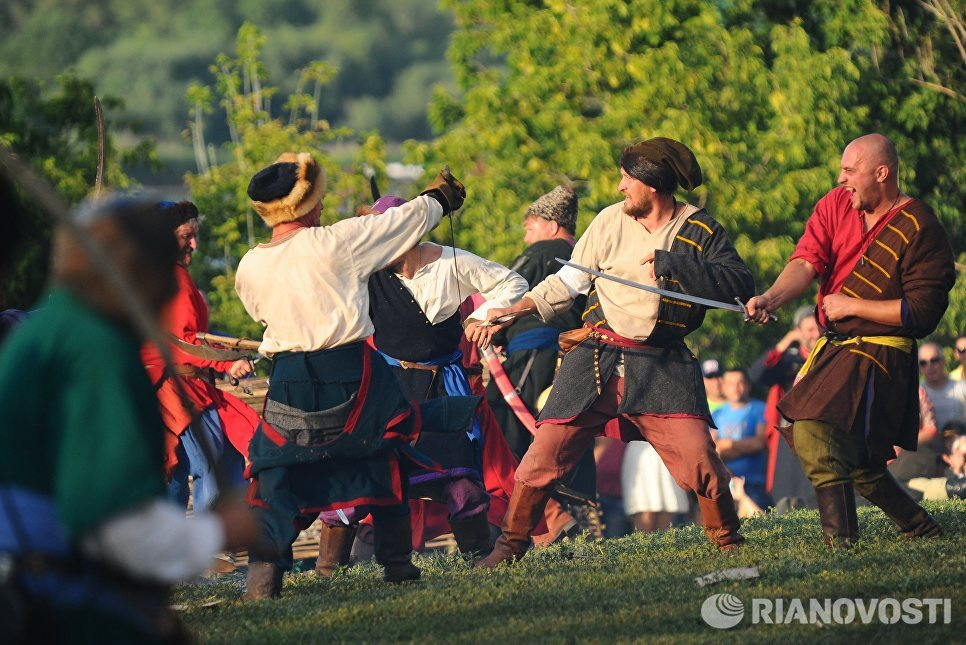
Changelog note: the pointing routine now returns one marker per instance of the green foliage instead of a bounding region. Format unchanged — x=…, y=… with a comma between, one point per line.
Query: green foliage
x=150, y=52
x=52, y=127
x=641, y=587
x=229, y=225
x=766, y=94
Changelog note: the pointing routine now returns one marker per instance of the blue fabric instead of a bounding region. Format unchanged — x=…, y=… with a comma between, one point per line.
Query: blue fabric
x=192, y=461
x=537, y=338
x=740, y=423
x=29, y=524
x=454, y=382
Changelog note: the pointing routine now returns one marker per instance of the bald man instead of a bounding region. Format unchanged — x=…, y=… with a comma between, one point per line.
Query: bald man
x=885, y=267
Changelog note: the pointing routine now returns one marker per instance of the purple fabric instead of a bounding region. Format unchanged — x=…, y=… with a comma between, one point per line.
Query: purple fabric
x=383, y=204
x=465, y=498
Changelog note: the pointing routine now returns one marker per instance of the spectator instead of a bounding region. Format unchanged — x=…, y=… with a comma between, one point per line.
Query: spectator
x=711, y=371
x=948, y=396
x=651, y=496
x=608, y=455
x=740, y=437
x=775, y=371
x=956, y=474
x=960, y=349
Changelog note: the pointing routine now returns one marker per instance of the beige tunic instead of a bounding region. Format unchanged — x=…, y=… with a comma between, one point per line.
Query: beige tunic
x=614, y=243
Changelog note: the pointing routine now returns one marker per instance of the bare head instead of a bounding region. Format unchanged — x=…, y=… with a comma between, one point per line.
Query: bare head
x=932, y=364
x=870, y=172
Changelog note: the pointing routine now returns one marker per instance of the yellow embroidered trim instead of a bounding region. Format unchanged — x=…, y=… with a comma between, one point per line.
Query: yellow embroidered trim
x=898, y=232
x=851, y=293
x=589, y=309
x=691, y=242
x=675, y=324
x=876, y=265
x=676, y=302
x=598, y=324
x=881, y=366
x=891, y=252
x=913, y=218
x=702, y=225
x=867, y=281
x=672, y=280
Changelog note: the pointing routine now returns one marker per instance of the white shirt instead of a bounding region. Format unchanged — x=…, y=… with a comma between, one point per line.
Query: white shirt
x=310, y=290
x=948, y=402
x=614, y=243
x=440, y=286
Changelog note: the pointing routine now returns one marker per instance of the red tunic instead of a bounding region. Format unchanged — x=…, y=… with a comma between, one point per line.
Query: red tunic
x=835, y=240
x=185, y=316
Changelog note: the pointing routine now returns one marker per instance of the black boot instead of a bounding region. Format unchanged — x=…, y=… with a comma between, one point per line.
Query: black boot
x=912, y=519
x=836, y=510
x=264, y=581
x=394, y=549
x=335, y=545
x=473, y=534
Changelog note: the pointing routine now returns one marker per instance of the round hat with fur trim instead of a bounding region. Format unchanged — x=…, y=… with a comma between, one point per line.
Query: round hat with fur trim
x=559, y=205
x=288, y=189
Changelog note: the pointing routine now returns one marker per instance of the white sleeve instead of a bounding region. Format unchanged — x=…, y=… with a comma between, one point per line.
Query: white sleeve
x=500, y=286
x=374, y=241
x=156, y=542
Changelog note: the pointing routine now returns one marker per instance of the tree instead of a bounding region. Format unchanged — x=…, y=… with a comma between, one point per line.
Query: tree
x=257, y=136
x=552, y=90
x=53, y=128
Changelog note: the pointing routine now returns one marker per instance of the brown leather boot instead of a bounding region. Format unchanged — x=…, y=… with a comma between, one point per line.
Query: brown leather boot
x=335, y=545
x=721, y=521
x=913, y=520
x=526, y=507
x=560, y=525
x=264, y=581
x=472, y=534
x=394, y=549
x=836, y=510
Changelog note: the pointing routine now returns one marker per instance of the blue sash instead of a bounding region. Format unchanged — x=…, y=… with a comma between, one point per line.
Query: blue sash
x=536, y=338
x=454, y=382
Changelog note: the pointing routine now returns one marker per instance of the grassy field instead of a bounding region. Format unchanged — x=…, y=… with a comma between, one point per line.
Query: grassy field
x=640, y=587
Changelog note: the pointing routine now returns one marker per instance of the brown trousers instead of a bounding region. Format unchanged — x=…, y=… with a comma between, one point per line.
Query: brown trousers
x=683, y=443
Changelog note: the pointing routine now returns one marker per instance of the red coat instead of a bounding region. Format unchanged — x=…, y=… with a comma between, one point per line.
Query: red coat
x=185, y=316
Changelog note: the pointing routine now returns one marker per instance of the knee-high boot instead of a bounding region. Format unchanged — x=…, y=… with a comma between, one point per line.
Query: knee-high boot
x=264, y=581
x=526, y=507
x=335, y=545
x=472, y=534
x=912, y=519
x=394, y=548
x=560, y=525
x=836, y=510
x=721, y=521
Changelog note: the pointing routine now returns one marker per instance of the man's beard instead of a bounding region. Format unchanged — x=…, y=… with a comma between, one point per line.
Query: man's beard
x=640, y=209
x=184, y=258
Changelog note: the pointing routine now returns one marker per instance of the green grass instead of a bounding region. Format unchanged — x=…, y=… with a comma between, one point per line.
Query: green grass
x=636, y=588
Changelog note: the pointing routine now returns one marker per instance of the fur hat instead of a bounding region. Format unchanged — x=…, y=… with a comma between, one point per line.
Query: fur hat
x=559, y=205
x=288, y=189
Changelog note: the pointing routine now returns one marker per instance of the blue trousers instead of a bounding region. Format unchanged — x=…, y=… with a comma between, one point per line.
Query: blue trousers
x=192, y=461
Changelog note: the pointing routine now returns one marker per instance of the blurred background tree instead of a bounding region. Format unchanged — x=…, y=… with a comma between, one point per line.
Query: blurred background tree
x=52, y=127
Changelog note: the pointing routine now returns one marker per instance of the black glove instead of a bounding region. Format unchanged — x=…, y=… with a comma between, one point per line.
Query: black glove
x=447, y=190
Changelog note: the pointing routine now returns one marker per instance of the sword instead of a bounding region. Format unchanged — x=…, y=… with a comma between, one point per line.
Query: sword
x=207, y=352
x=706, y=302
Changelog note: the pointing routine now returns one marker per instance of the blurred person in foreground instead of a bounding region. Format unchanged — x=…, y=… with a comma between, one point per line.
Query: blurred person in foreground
x=885, y=267
x=85, y=522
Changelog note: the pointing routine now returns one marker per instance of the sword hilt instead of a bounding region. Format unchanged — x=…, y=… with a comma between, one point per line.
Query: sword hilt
x=771, y=316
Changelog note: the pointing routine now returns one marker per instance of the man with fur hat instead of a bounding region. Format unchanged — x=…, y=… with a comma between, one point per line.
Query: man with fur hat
x=227, y=423
x=93, y=541
x=885, y=268
x=530, y=345
x=337, y=421
x=632, y=341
